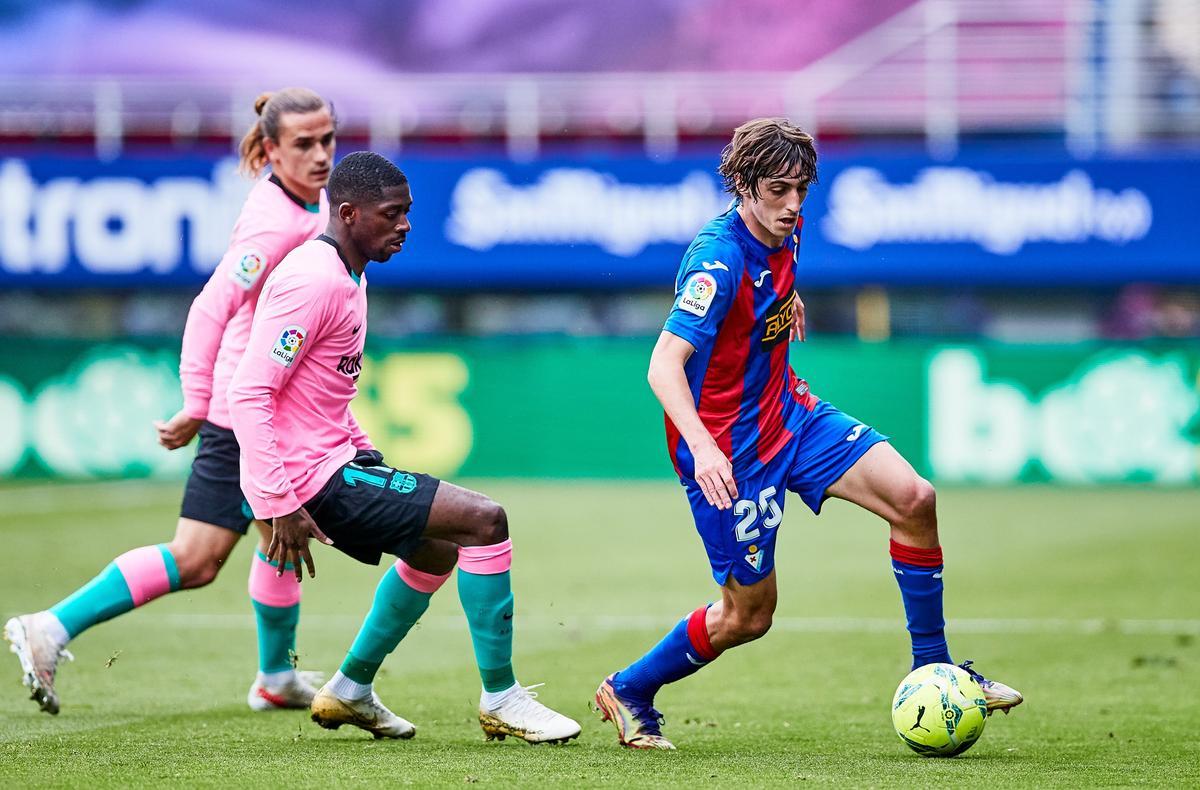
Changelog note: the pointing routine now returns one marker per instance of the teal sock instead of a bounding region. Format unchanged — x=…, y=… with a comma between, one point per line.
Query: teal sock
x=396, y=609
x=276, y=635
x=131, y=580
x=487, y=601
x=276, y=602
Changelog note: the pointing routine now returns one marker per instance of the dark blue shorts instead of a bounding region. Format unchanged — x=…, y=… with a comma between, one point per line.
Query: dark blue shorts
x=368, y=509
x=213, y=493
x=741, y=541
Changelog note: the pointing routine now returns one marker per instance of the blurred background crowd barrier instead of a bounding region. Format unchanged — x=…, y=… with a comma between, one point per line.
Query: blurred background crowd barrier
x=1001, y=261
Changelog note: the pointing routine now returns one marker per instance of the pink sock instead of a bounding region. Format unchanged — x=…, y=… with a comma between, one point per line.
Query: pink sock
x=420, y=580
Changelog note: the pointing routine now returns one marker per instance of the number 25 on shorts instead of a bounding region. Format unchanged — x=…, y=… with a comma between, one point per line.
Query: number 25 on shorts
x=749, y=512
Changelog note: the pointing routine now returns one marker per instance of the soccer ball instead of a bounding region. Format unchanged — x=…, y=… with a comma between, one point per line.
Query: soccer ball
x=939, y=710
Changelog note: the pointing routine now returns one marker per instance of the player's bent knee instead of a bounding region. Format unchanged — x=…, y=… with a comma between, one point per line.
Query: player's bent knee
x=919, y=505
x=491, y=524
x=196, y=571
x=196, y=567
x=753, y=626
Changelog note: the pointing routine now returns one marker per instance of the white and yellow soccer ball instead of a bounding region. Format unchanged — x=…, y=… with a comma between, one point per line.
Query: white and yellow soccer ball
x=939, y=710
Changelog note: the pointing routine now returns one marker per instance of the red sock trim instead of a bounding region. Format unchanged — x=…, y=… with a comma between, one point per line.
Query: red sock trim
x=697, y=631
x=911, y=555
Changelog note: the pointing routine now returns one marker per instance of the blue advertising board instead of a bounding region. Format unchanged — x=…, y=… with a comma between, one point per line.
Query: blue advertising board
x=884, y=215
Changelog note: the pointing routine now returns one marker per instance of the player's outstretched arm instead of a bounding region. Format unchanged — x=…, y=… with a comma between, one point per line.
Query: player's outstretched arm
x=714, y=472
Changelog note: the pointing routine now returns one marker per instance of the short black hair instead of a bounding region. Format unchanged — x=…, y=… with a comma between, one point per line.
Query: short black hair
x=361, y=178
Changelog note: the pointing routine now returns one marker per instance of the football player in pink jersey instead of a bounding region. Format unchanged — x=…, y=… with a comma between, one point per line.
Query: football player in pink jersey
x=308, y=467
x=294, y=135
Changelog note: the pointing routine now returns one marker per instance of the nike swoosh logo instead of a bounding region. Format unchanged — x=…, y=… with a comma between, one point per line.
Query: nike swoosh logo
x=714, y=265
x=354, y=331
x=507, y=616
x=694, y=661
x=758, y=283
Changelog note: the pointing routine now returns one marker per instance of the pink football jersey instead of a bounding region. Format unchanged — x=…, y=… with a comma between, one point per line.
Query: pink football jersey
x=272, y=223
x=289, y=400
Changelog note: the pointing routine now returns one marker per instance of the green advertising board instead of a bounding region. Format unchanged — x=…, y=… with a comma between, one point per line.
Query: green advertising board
x=570, y=408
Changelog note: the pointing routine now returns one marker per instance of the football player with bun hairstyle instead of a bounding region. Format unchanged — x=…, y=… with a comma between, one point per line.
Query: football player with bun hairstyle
x=294, y=136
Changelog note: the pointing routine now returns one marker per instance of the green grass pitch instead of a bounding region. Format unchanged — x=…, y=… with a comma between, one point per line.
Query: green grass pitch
x=1087, y=601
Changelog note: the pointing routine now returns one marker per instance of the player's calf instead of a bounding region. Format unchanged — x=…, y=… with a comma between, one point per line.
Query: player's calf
x=275, y=599
x=738, y=627
x=195, y=571
x=744, y=613
x=199, y=551
x=402, y=596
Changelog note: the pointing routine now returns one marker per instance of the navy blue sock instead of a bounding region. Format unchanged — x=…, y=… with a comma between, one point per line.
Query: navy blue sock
x=682, y=652
x=919, y=574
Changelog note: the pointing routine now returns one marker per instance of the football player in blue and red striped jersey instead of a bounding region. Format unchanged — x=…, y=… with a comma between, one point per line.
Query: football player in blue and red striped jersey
x=743, y=429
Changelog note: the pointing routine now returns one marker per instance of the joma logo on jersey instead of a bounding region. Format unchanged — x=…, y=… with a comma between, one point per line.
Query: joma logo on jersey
x=351, y=365
x=779, y=321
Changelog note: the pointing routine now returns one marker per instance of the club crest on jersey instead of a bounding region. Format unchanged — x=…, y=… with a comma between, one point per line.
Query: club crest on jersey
x=290, y=341
x=755, y=561
x=698, y=293
x=248, y=268
x=779, y=321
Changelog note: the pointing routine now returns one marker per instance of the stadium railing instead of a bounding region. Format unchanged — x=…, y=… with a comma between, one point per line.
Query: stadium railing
x=1102, y=74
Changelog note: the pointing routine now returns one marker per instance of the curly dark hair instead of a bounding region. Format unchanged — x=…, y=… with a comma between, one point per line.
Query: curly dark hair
x=361, y=178
x=766, y=148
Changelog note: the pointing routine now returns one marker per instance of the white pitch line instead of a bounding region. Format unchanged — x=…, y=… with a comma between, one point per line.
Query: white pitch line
x=616, y=623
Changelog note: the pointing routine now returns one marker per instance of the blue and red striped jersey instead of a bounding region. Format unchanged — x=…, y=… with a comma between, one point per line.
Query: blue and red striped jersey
x=734, y=302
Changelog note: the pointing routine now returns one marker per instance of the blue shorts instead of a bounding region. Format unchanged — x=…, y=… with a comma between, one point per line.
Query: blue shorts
x=741, y=541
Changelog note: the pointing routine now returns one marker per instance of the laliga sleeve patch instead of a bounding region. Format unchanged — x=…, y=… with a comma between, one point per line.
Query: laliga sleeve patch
x=248, y=268
x=698, y=293
x=290, y=341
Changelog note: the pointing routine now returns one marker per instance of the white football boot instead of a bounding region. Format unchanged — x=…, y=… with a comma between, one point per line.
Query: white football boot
x=38, y=654
x=998, y=695
x=520, y=714
x=297, y=693
x=370, y=714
